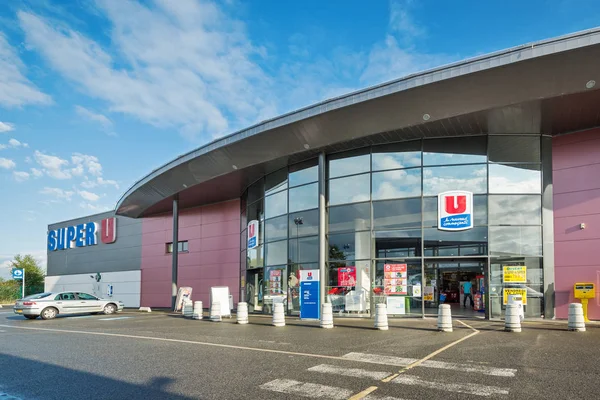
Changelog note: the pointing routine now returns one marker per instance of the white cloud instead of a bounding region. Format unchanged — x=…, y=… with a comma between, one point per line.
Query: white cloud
x=20, y=176
x=6, y=127
x=89, y=196
x=401, y=21
x=7, y=163
x=182, y=64
x=57, y=193
x=36, y=172
x=88, y=163
x=92, y=116
x=53, y=166
x=94, y=207
x=99, y=181
x=2, y=146
x=15, y=143
x=15, y=89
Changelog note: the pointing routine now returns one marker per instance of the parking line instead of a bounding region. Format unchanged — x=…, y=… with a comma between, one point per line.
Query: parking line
x=466, y=388
x=113, y=318
x=363, y=394
x=310, y=390
x=352, y=372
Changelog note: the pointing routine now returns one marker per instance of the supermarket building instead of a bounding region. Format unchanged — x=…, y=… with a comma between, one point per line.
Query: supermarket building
x=486, y=171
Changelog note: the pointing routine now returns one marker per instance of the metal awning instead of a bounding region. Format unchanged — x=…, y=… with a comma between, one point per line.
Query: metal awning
x=448, y=101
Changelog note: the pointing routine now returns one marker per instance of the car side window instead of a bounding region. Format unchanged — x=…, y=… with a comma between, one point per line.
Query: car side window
x=85, y=296
x=67, y=296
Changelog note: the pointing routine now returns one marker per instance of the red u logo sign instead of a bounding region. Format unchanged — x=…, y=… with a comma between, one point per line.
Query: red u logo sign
x=456, y=204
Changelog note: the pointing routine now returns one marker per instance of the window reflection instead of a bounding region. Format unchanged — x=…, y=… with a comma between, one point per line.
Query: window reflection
x=276, y=204
x=516, y=240
x=256, y=191
x=304, y=197
x=444, y=243
x=304, y=249
x=276, y=228
x=397, y=184
x=304, y=173
x=472, y=178
x=457, y=150
x=516, y=210
x=397, y=244
x=350, y=246
x=277, y=253
x=515, y=178
x=255, y=257
x=354, y=217
x=276, y=181
x=396, y=156
x=305, y=223
x=349, y=165
x=353, y=189
x=397, y=214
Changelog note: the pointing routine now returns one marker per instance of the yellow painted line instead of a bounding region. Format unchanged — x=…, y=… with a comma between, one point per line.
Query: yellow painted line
x=389, y=378
x=363, y=394
x=435, y=353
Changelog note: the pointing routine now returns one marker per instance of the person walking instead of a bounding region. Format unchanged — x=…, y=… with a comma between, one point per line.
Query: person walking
x=467, y=289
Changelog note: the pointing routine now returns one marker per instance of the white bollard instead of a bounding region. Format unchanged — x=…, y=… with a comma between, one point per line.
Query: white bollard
x=381, y=319
x=242, y=313
x=576, y=320
x=444, y=320
x=278, y=315
x=326, y=316
x=146, y=309
x=197, y=310
x=215, y=311
x=188, y=309
x=512, y=320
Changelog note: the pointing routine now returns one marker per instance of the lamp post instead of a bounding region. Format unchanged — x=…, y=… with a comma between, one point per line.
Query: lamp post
x=298, y=221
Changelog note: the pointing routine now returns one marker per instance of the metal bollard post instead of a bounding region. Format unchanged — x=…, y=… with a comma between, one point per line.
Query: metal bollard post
x=326, y=316
x=188, y=309
x=278, y=315
x=444, y=320
x=197, y=310
x=381, y=319
x=215, y=311
x=242, y=313
x=512, y=320
x=576, y=318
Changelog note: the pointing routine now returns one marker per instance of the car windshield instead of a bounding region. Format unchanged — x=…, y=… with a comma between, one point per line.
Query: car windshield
x=37, y=296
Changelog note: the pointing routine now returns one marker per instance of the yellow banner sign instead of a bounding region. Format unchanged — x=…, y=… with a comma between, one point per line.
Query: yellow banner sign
x=518, y=292
x=514, y=274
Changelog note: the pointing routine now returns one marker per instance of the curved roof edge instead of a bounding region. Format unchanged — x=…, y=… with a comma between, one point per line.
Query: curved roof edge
x=495, y=59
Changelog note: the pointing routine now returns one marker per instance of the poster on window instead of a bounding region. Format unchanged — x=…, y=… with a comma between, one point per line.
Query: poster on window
x=275, y=282
x=395, y=279
x=347, y=276
x=514, y=274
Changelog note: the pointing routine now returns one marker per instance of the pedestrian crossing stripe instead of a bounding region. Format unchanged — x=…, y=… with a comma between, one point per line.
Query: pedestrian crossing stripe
x=310, y=390
x=465, y=388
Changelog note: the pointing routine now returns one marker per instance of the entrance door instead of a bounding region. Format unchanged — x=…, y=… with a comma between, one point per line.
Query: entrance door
x=457, y=282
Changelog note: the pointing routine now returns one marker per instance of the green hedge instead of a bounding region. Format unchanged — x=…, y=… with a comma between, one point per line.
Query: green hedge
x=11, y=291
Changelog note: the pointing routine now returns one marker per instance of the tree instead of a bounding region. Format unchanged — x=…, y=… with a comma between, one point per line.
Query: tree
x=34, y=274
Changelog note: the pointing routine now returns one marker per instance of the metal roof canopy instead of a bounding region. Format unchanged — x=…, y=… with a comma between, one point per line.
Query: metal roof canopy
x=456, y=98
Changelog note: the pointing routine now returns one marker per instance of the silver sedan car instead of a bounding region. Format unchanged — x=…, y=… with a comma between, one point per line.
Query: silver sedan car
x=48, y=305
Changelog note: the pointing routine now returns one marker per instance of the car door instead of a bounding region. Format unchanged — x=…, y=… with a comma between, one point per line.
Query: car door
x=89, y=303
x=66, y=303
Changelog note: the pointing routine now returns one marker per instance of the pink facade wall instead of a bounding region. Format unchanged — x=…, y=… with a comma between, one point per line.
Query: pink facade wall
x=213, y=235
x=576, y=181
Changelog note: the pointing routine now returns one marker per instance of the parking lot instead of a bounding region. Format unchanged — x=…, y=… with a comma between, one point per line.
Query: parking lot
x=161, y=355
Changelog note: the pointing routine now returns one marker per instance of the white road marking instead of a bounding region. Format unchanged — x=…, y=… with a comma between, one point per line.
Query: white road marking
x=310, y=390
x=353, y=372
x=466, y=388
x=113, y=318
x=405, y=362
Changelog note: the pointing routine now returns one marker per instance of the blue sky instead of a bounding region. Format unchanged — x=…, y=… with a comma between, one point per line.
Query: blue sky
x=94, y=94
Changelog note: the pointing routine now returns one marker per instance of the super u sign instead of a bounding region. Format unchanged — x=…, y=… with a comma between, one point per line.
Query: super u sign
x=455, y=210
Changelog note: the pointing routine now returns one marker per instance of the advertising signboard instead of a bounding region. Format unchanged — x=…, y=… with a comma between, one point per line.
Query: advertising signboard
x=455, y=210
x=347, y=276
x=514, y=274
x=517, y=291
x=252, y=234
x=395, y=279
x=309, y=294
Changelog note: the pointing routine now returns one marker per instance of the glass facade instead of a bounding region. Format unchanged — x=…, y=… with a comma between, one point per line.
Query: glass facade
x=383, y=236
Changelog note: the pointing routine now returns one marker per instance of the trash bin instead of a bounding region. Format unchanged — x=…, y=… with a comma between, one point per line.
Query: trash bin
x=518, y=300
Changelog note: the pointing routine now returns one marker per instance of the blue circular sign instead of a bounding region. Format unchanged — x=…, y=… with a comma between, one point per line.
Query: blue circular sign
x=18, y=272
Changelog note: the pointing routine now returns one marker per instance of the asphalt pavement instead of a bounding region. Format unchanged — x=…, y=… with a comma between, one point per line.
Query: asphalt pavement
x=135, y=355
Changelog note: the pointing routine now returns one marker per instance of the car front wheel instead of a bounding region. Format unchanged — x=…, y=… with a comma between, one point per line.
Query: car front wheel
x=49, y=313
x=110, y=309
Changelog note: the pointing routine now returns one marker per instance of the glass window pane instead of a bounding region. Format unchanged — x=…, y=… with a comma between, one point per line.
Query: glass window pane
x=305, y=223
x=507, y=148
x=276, y=228
x=430, y=211
x=516, y=178
x=304, y=249
x=397, y=184
x=444, y=243
x=244, y=239
x=458, y=150
x=255, y=257
x=353, y=189
x=276, y=182
x=275, y=286
x=276, y=204
x=472, y=178
x=305, y=172
x=516, y=210
x=277, y=253
x=397, y=214
x=350, y=246
x=349, y=165
x=355, y=217
x=256, y=211
x=397, y=244
x=516, y=240
x=256, y=191
x=396, y=156
x=304, y=197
